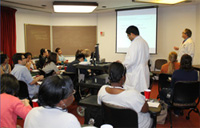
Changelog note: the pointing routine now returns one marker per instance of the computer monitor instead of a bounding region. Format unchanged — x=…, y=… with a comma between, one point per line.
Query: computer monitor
x=97, y=52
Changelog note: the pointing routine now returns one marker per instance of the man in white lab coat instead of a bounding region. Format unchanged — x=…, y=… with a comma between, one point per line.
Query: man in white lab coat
x=136, y=61
x=187, y=46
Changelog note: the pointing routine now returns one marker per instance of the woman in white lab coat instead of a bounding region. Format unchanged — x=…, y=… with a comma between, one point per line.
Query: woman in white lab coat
x=136, y=61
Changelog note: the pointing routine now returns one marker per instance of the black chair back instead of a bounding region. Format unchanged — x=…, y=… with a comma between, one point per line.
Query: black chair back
x=164, y=80
x=23, y=91
x=119, y=117
x=186, y=91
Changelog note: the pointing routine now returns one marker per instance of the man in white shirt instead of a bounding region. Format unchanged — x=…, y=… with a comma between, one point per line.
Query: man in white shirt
x=22, y=73
x=136, y=61
x=187, y=46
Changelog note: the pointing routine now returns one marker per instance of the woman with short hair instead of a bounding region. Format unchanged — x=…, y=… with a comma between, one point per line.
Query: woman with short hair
x=55, y=95
x=117, y=95
x=11, y=106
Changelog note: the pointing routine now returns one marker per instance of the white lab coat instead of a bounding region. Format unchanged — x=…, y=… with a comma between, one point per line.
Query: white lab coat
x=186, y=48
x=136, y=62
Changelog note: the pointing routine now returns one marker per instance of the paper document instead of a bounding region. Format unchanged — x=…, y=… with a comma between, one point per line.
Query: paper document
x=153, y=104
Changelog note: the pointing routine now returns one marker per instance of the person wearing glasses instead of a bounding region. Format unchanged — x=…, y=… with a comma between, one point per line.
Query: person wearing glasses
x=117, y=95
x=55, y=95
x=22, y=73
x=187, y=46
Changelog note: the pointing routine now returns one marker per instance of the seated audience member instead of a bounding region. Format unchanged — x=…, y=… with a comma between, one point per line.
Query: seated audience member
x=42, y=58
x=5, y=67
x=29, y=63
x=172, y=65
x=79, y=58
x=61, y=58
x=51, y=64
x=87, y=54
x=55, y=95
x=185, y=73
x=49, y=52
x=115, y=94
x=22, y=73
x=79, y=51
x=11, y=106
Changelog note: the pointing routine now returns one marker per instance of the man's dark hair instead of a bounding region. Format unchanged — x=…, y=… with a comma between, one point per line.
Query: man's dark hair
x=54, y=89
x=42, y=51
x=188, y=32
x=27, y=54
x=57, y=49
x=16, y=57
x=132, y=29
x=3, y=58
x=116, y=72
x=52, y=58
x=9, y=84
x=186, y=62
x=81, y=55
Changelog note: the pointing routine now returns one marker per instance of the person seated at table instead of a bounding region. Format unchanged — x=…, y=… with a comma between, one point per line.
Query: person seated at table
x=79, y=58
x=49, y=52
x=50, y=65
x=29, y=63
x=55, y=95
x=185, y=73
x=115, y=94
x=42, y=58
x=61, y=58
x=172, y=65
x=87, y=54
x=11, y=106
x=22, y=73
x=5, y=67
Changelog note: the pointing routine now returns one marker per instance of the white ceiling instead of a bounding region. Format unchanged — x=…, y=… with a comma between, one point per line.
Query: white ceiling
x=110, y=5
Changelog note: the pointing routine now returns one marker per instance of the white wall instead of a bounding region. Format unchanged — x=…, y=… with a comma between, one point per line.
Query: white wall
x=172, y=20
x=197, y=56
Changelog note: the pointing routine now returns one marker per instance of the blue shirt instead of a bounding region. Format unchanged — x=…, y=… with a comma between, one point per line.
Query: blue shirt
x=22, y=73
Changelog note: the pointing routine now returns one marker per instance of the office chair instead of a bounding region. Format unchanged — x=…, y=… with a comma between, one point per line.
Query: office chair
x=23, y=91
x=119, y=117
x=157, y=66
x=164, y=81
x=185, y=96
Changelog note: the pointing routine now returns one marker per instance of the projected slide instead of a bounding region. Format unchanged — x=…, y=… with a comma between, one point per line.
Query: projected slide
x=146, y=21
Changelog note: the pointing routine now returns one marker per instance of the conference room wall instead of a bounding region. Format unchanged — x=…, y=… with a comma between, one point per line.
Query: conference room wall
x=39, y=18
x=172, y=20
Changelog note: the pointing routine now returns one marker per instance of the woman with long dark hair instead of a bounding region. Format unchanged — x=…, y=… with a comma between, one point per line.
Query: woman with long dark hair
x=51, y=64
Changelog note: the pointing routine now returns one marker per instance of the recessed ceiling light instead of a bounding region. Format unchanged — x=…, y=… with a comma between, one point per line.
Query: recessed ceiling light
x=160, y=1
x=74, y=7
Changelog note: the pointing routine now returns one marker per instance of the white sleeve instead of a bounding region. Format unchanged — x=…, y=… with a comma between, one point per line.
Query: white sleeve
x=131, y=56
x=137, y=102
x=190, y=49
